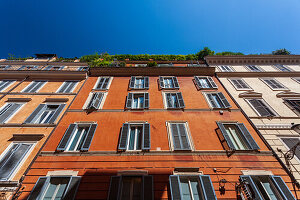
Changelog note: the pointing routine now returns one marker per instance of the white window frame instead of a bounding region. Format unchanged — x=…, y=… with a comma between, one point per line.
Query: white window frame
x=209, y=103
x=108, y=85
x=139, y=77
x=79, y=125
x=12, y=82
x=274, y=89
x=274, y=66
x=286, y=147
x=239, y=89
x=137, y=93
x=232, y=69
x=165, y=99
x=49, y=103
x=266, y=104
x=243, y=142
x=170, y=136
x=65, y=83
x=258, y=67
x=46, y=81
x=90, y=98
x=11, y=116
x=128, y=139
x=206, y=77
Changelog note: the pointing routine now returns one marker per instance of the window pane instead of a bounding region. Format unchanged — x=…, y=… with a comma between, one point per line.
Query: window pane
x=217, y=101
x=204, y=83
x=235, y=136
x=185, y=190
x=168, y=83
x=131, y=188
x=131, y=139
x=56, y=188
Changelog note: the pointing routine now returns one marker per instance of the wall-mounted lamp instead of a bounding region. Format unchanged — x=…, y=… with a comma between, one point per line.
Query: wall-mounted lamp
x=222, y=183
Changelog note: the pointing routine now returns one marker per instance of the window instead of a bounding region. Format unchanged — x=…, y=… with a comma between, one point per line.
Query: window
x=28, y=67
x=174, y=100
x=67, y=87
x=103, y=83
x=95, y=100
x=205, y=82
x=78, y=137
x=131, y=187
x=179, y=136
x=225, y=68
x=11, y=159
x=294, y=104
x=3, y=67
x=168, y=82
x=239, y=84
x=265, y=187
x=34, y=86
x=55, y=188
x=137, y=100
x=50, y=67
x=82, y=68
x=8, y=111
x=274, y=84
x=254, y=68
x=282, y=68
x=217, y=100
x=165, y=65
x=4, y=84
x=134, y=136
x=291, y=142
x=261, y=107
x=192, y=187
x=45, y=114
x=139, y=82
x=237, y=136
x=297, y=79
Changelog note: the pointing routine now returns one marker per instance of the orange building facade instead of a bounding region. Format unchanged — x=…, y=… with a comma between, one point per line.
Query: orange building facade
x=169, y=132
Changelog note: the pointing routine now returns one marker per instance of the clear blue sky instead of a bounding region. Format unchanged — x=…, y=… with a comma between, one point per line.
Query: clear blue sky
x=72, y=28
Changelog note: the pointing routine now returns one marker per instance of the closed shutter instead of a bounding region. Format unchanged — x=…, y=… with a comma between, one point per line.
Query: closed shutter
x=124, y=136
x=180, y=138
x=96, y=100
x=65, y=140
x=35, y=114
x=114, y=188
x=225, y=135
x=175, y=187
x=37, y=86
x=248, y=137
x=72, y=188
x=295, y=104
x=161, y=82
x=175, y=82
x=56, y=113
x=211, y=100
x=39, y=188
x=212, y=83
x=261, y=108
x=89, y=137
x=4, y=84
x=8, y=111
x=64, y=87
x=100, y=83
x=184, y=137
x=129, y=100
x=282, y=187
x=146, y=82
x=250, y=187
x=237, y=83
x=176, y=137
x=146, y=143
x=146, y=100
x=224, y=100
x=105, y=84
x=207, y=187
x=291, y=142
x=132, y=82
x=30, y=87
x=148, y=188
x=180, y=100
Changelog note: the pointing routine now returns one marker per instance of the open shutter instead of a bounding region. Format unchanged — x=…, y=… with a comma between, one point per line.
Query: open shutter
x=207, y=187
x=146, y=82
x=105, y=84
x=161, y=82
x=89, y=137
x=56, y=113
x=65, y=140
x=30, y=86
x=146, y=143
x=260, y=107
x=225, y=135
x=129, y=100
x=185, y=144
x=100, y=83
x=114, y=188
x=5, y=84
x=250, y=188
x=37, y=86
x=96, y=100
x=35, y=114
x=175, y=82
x=196, y=78
x=123, y=136
x=72, y=188
x=132, y=81
x=175, y=187
x=64, y=87
x=39, y=188
x=212, y=83
x=12, y=108
x=248, y=137
x=211, y=100
x=224, y=100
x=146, y=100
x=180, y=100
x=148, y=188
x=71, y=86
x=169, y=100
x=176, y=137
x=282, y=187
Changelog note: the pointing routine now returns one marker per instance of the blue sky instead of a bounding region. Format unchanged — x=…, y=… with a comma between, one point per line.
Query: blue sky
x=78, y=27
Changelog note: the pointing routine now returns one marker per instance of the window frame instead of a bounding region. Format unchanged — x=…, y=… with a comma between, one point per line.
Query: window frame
x=240, y=89
x=45, y=81
x=207, y=78
x=11, y=116
x=274, y=89
x=72, y=91
x=297, y=79
x=290, y=106
x=265, y=103
x=278, y=69
x=89, y=98
x=209, y=103
x=108, y=84
x=133, y=93
x=12, y=82
x=229, y=66
x=258, y=67
x=173, y=82
x=135, y=143
x=164, y=94
x=144, y=85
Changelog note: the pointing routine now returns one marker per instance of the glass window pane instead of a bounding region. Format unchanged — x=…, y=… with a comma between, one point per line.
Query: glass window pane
x=131, y=139
x=204, y=83
x=185, y=190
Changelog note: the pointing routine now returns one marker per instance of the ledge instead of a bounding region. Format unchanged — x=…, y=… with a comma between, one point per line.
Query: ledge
x=27, y=137
x=18, y=99
x=26, y=125
x=258, y=74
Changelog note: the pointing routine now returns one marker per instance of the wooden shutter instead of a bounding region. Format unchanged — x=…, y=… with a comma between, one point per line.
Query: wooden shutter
x=132, y=82
x=260, y=107
x=294, y=105
x=175, y=82
x=96, y=100
x=237, y=83
x=176, y=137
x=65, y=139
x=35, y=114
x=146, y=142
x=38, y=188
x=64, y=87
x=129, y=100
x=146, y=82
x=114, y=188
x=89, y=137
x=225, y=135
x=291, y=142
x=161, y=82
x=124, y=136
x=13, y=107
x=253, y=192
x=100, y=83
x=180, y=100
x=175, y=187
x=146, y=100
x=224, y=100
x=148, y=188
x=30, y=86
x=207, y=187
x=169, y=100
x=105, y=84
x=282, y=187
x=72, y=188
x=197, y=81
x=211, y=100
x=212, y=83
x=185, y=144
x=36, y=86
x=249, y=139
x=4, y=84
x=56, y=113
x=69, y=86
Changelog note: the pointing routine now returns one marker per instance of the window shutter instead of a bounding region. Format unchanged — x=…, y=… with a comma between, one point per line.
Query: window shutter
x=294, y=105
x=282, y=187
x=39, y=188
x=72, y=188
x=175, y=82
x=64, y=87
x=56, y=113
x=146, y=143
x=65, y=140
x=224, y=100
x=35, y=114
x=132, y=82
x=124, y=136
x=212, y=83
x=71, y=86
x=291, y=142
x=96, y=100
x=169, y=100
x=4, y=84
x=37, y=86
x=100, y=83
x=114, y=188
x=48, y=67
x=207, y=187
x=248, y=137
x=237, y=83
x=184, y=137
x=146, y=100
x=175, y=187
x=176, y=137
x=148, y=188
x=197, y=82
x=161, y=82
x=146, y=82
x=129, y=100
x=105, y=84
x=30, y=87
x=225, y=134
x=211, y=100
x=254, y=192
x=261, y=108
x=180, y=100
x=13, y=107
x=89, y=137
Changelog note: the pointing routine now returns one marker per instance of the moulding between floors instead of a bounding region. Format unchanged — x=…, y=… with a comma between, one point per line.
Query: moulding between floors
x=27, y=125
x=274, y=126
x=258, y=74
x=39, y=93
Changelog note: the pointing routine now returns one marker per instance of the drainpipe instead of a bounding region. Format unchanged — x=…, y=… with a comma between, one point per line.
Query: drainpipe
x=6, y=93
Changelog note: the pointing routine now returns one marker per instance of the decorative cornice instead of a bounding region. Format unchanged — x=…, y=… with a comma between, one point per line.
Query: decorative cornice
x=250, y=94
x=258, y=74
x=287, y=94
x=273, y=126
